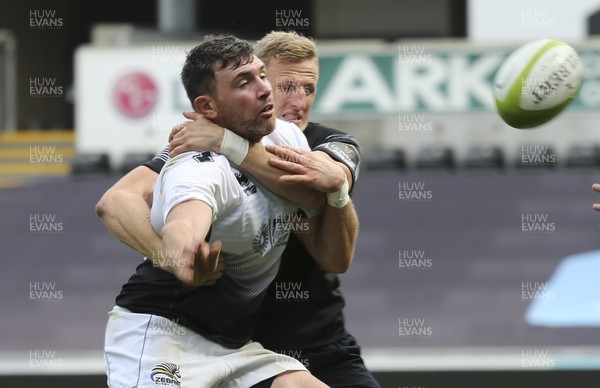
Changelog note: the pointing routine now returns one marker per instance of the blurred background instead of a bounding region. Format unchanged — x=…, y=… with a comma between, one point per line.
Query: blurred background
x=478, y=257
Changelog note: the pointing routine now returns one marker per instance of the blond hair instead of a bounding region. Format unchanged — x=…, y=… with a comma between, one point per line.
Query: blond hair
x=285, y=46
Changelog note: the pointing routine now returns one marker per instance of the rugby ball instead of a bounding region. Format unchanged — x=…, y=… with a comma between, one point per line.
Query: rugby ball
x=536, y=82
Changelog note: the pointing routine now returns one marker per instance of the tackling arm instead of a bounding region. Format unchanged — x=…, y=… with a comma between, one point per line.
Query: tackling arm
x=331, y=236
x=201, y=134
x=125, y=211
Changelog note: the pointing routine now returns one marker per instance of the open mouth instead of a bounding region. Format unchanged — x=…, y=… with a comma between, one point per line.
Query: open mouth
x=267, y=110
x=290, y=117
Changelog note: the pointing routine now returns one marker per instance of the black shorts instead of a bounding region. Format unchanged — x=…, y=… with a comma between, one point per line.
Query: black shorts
x=338, y=365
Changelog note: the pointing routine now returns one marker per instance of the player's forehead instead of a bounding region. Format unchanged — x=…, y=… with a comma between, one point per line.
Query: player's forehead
x=305, y=71
x=254, y=66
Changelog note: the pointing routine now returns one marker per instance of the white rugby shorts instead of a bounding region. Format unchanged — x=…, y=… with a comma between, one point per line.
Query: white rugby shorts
x=150, y=351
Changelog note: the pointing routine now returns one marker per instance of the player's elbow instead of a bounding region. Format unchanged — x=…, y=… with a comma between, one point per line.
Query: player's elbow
x=338, y=268
x=103, y=206
x=338, y=264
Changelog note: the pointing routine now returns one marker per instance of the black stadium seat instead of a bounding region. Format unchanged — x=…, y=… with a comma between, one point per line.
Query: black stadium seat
x=583, y=156
x=484, y=157
x=385, y=159
x=90, y=163
x=435, y=157
x=134, y=159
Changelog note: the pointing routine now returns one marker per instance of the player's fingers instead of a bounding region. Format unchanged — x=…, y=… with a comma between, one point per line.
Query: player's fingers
x=596, y=207
x=295, y=178
x=177, y=150
x=596, y=187
x=187, y=275
x=214, y=254
x=286, y=166
x=294, y=155
x=215, y=276
x=176, y=141
x=203, y=265
x=282, y=151
x=220, y=265
x=191, y=115
x=174, y=131
x=288, y=147
x=212, y=279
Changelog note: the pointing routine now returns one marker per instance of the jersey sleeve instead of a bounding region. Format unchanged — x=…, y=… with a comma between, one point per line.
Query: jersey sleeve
x=193, y=176
x=345, y=153
x=339, y=145
x=158, y=161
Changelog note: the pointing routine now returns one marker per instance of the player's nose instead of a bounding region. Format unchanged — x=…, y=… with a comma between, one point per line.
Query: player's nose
x=264, y=89
x=299, y=100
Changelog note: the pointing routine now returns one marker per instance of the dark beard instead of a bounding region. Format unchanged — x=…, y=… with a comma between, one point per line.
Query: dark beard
x=257, y=131
x=253, y=131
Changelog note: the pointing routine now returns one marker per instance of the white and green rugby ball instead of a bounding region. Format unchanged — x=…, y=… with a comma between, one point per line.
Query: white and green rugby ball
x=536, y=82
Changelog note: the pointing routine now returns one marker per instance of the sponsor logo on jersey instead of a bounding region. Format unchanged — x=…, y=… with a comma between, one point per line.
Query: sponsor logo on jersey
x=204, y=157
x=166, y=374
x=342, y=152
x=247, y=185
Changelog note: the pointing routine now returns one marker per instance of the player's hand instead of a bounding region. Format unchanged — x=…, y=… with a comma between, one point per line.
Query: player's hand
x=193, y=266
x=312, y=168
x=596, y=187
x=208, y=264
x=196, y=134
x=201, y=268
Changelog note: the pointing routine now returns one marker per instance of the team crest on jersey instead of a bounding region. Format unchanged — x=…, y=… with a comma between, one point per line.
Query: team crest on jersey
x=279, y=231
x=247, y=185
x=270, y=235
x=204, y=157
x=166, y=374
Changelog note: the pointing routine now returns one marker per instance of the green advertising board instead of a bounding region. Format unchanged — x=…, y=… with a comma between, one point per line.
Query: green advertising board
x=416, y=78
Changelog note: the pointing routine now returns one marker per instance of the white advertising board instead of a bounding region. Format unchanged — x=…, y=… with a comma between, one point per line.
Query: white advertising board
x=127, y=98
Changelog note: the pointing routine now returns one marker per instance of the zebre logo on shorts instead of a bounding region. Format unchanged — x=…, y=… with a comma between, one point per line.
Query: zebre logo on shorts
x=166, y=374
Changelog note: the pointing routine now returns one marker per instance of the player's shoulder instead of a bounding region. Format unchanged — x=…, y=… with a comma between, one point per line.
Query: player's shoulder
x=317, y=134
x=194, y=160
x=320, y=128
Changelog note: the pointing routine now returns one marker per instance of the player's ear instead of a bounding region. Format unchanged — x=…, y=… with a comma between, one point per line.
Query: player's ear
x=206, y=106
